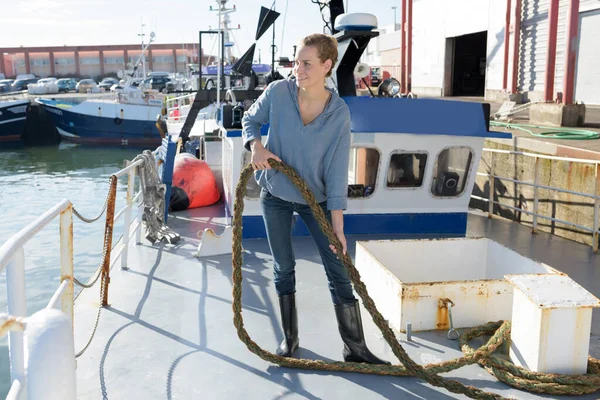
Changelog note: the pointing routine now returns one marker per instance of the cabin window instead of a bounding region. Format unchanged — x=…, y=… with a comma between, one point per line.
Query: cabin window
x=252, y=188
x=451, y=171
x=406, y=170
x=363, y=166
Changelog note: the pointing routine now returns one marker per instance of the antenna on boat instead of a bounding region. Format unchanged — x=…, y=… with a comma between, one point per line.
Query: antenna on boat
x=222, y=35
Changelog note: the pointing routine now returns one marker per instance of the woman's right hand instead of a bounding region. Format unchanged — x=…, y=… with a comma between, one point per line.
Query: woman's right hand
x=260, y=156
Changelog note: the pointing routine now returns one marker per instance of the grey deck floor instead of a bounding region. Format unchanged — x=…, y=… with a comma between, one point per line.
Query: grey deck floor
x=168, y=333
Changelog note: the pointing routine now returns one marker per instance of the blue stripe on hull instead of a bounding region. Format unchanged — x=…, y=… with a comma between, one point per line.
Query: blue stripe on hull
x=418, y=224
x=104, y=130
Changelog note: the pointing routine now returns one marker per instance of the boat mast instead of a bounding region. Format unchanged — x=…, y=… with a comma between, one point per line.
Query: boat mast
x=142, y=34
x=219, y=52
x=273, y=47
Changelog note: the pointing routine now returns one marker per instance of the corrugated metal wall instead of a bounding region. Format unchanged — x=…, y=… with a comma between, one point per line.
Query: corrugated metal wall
x=534, y=42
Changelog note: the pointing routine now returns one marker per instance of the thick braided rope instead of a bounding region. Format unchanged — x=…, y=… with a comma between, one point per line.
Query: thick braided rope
x=499, y=331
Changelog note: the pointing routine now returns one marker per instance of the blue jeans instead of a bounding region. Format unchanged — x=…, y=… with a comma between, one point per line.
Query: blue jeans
x=277, y=215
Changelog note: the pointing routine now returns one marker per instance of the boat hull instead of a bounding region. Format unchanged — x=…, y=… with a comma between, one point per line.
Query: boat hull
x=12, y=123
x=75, y=124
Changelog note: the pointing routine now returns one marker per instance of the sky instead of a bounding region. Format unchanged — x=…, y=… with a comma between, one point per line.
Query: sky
x=106, y=22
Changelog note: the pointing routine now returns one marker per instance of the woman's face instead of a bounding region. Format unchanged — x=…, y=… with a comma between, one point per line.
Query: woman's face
x=308, y=68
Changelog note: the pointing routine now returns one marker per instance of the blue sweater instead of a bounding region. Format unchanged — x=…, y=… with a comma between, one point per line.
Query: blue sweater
x=319, y=151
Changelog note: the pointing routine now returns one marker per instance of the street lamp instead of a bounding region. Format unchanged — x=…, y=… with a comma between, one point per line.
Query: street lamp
x=394, y=8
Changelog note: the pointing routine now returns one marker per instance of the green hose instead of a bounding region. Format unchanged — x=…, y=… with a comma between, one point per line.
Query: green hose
x=553, y=133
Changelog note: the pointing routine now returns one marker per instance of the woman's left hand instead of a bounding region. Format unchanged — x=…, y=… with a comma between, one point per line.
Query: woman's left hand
x=342, y=239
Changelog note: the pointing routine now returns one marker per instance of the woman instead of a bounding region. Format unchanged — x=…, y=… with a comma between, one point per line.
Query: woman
x=309, y=131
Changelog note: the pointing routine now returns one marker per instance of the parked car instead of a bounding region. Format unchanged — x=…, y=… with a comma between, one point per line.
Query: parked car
x=5, y=85
x=21, y=84
x=85, y=85
x=161, y=84
x=43, y=86
x=107, y=83
x=376, y=77
x=66, y=84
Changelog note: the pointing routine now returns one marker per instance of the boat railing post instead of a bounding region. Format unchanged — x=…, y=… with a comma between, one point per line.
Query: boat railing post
x=127, y=219
x=66, y=261
x=140, y=210
x=492, y=180
x=536, y=182
x=15, y=296
x=596, y=208
x=108, y=232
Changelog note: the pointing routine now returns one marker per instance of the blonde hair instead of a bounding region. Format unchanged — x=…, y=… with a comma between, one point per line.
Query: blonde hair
x=326, y=46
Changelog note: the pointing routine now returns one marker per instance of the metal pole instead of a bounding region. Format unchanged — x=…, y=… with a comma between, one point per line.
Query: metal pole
x=143, y=55
x=536, y=200
x=492, y=188
x=140, y=213
x=220, y=56
x=409, y=47
x=571, y=51
x=222, y=63
x=551, y=52
x=66, y=261
x=127, y=218
x=200, y=61
x=596, y=209
x=15, y=294
x=394, y=8
x=403, y=49
x=273, y=54
x=516, y=47
x=506, y=45
x=108, y=231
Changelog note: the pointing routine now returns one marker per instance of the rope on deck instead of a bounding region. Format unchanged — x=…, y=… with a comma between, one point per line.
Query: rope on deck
x=503, y=370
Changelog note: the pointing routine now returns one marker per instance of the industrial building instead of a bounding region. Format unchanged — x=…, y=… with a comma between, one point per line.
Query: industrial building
x=93, y=61
x=494, y=48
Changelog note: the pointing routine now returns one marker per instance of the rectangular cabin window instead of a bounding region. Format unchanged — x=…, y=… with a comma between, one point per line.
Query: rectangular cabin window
x=252, y=188
x=451, y=171
x=363, y=166
x=406, y=170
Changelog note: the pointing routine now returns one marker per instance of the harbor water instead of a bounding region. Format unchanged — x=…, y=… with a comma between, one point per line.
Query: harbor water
x=32, y=180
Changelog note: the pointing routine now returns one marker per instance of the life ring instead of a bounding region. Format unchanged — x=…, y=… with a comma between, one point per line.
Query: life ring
x=117, y=121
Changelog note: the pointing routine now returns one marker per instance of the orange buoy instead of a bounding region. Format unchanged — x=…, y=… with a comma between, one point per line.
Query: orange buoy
x=196, y=179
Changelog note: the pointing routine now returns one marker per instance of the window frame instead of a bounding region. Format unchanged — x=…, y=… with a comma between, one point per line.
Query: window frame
x=468, y=172
x=425, y=170
x=377, y=176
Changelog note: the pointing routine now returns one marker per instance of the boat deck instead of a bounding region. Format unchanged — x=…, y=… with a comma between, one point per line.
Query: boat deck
x=169, y=332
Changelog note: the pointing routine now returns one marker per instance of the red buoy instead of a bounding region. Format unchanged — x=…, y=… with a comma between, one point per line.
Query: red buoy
x=196, y=179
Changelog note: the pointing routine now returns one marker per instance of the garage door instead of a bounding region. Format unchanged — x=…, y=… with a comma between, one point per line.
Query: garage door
x=587, y=78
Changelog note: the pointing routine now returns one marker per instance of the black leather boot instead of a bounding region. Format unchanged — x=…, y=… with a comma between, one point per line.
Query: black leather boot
x=289, y=321
x=350, y=326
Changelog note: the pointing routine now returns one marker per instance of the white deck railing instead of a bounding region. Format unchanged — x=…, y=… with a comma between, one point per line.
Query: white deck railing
x=178, y=107
x=12, y=257
x=536, y=185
